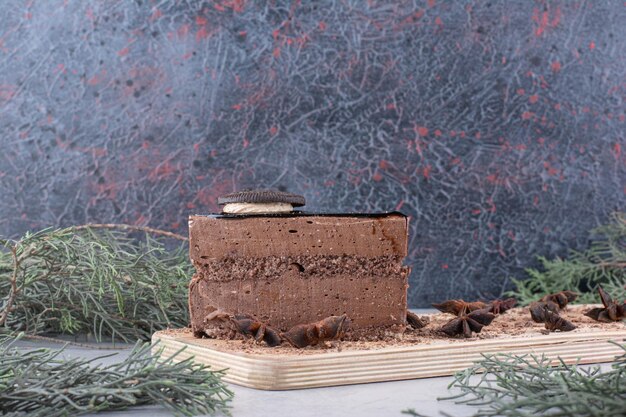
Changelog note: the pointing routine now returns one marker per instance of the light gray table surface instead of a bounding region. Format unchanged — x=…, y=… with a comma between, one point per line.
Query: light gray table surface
x=363, y=400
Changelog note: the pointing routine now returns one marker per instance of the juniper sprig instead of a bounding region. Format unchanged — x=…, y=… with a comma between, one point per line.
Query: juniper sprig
x=40, y=383
x=529, y=386
x=603, y=263
x=94, y=279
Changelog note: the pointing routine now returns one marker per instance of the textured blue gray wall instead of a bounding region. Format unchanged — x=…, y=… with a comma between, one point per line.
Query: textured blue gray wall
x=497, y=126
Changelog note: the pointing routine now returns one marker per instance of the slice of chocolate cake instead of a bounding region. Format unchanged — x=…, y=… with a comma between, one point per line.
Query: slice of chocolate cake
x=293, y=268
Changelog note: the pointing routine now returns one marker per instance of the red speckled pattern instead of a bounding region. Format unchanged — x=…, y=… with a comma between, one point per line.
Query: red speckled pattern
x=498, y=126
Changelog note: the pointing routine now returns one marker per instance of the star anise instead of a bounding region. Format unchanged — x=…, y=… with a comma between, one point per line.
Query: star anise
x=554, y=322
x=457, y=307
x=299, y=336
x=248, y=326
x=561, y=298
x=546, y=312
x=468, y=322
x=311, y=334
x=612, y=311
x=537, y=310
x=416, y=321
x=500, y=306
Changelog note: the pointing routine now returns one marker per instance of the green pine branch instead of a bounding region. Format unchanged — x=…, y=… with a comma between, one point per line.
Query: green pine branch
x=39, y=383
x=110, y=281
x=94, y=280
x=603, y=263
x=528, y=386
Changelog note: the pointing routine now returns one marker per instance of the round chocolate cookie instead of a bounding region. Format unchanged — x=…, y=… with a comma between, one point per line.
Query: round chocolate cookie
x=262, y=197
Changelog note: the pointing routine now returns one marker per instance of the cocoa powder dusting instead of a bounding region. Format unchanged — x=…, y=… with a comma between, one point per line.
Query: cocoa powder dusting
x=514, y=323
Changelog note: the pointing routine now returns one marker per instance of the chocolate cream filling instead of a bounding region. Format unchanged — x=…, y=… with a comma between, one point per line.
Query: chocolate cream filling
x=284, y=291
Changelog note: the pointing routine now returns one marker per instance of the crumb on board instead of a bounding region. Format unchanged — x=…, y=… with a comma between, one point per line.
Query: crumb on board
x=515, y=322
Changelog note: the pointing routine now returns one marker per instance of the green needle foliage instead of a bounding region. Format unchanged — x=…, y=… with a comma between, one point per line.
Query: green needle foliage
x=37, y=383
x=527, y=386
x=604, y=263
x=93, y=280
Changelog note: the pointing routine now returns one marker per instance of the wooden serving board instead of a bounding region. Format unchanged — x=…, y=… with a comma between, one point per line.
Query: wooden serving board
x=269, y=371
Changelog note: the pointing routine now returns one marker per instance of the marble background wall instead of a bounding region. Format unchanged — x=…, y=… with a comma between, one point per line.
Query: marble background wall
x=498, y=126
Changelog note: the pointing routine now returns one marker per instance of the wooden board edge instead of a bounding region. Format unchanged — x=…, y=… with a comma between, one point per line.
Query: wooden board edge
x=269, y=375
x=434, y=350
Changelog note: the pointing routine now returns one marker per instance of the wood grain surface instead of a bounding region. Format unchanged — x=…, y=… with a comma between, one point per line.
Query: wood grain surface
x=284, y=372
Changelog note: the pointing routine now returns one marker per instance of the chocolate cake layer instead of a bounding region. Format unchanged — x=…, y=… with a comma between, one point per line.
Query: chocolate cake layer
x=258, y=236
x=289, y=270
